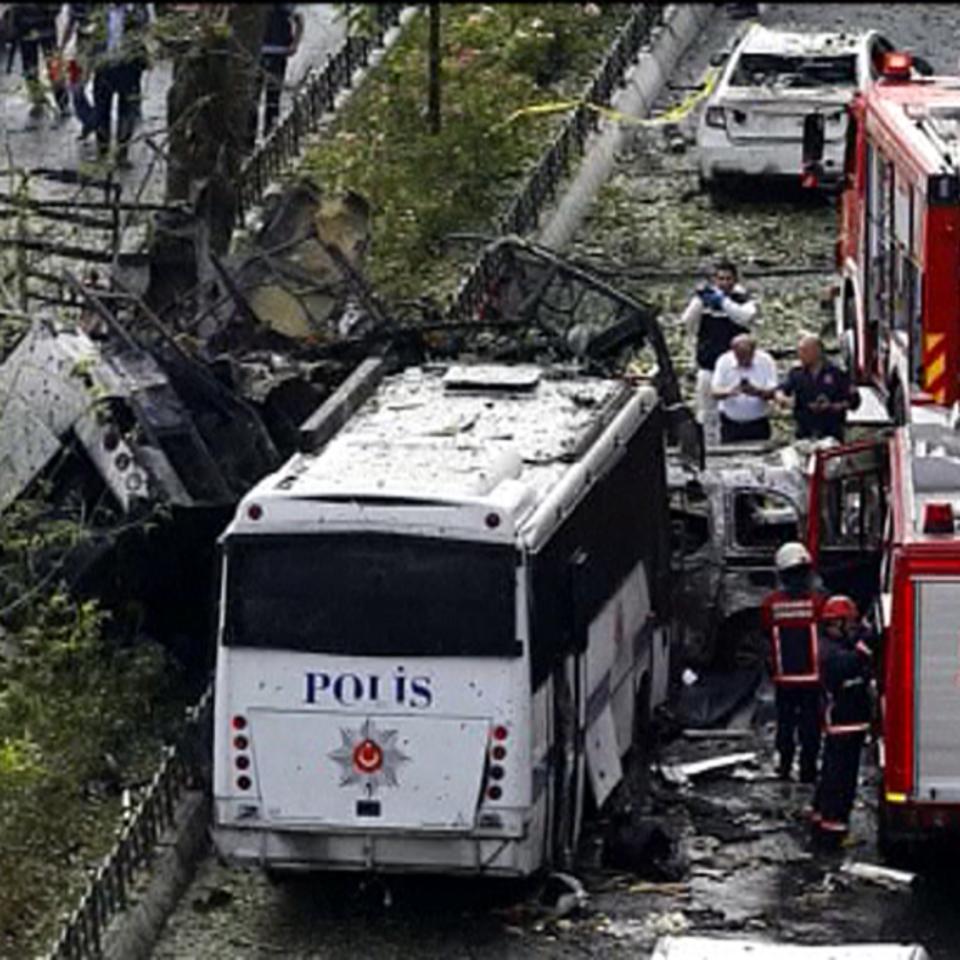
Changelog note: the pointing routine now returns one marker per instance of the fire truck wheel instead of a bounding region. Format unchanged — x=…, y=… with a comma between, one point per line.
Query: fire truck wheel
x=893, y=850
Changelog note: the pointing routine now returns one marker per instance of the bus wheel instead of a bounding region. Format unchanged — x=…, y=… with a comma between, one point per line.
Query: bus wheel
x=642, y=722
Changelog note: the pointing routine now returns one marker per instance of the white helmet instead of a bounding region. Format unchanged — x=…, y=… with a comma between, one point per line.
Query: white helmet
x=791, y=555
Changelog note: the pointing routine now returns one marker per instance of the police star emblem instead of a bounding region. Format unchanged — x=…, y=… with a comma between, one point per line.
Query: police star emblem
x=369, y=757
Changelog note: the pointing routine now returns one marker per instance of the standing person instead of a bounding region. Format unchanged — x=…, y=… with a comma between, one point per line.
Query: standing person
x=76, y=57
x=281, y=40
x=35, y=29
x=744, y=379
x=845, y=659
x=790, y=615
x=822, y=393
x=119, y=53
x=717, y=312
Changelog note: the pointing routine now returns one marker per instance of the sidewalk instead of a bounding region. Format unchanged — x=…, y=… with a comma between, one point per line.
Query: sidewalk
x=49, y=142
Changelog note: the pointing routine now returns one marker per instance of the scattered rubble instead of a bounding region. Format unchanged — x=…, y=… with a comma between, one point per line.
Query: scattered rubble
x=683, y=773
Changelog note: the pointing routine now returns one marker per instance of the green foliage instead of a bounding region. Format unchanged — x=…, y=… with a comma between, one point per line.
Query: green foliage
x=77, y=711
x=496, y=59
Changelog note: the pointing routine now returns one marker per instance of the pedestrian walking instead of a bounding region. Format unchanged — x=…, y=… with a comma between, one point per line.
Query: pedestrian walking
x=119, y=54
x=75, y=55
x=744, y=380
x=718, y=311
x=790, y=615
x=846, y=668
x=822, y=393
x=35, y=30
x=281, y=40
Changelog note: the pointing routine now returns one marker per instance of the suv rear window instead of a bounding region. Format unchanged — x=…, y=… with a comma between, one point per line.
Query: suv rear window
x=771, y=69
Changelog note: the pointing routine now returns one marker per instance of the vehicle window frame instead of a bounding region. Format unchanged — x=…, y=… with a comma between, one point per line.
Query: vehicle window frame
x=734, y=543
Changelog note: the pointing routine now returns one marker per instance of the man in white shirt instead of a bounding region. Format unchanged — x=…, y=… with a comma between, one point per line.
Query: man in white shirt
x=716, y=313
x=744, y=380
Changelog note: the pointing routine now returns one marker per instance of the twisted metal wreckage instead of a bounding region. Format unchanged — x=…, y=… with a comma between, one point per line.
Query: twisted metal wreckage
x=126, y=411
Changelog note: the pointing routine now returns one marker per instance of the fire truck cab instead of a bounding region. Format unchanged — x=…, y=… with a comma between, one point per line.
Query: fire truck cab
x=898, y=250
x=883, y=527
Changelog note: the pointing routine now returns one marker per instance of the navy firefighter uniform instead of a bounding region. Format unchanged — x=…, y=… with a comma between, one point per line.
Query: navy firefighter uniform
x=790, y=616
x=847, y=683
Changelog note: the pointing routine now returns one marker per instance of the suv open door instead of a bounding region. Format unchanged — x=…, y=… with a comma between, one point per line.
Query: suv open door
x=847, y=517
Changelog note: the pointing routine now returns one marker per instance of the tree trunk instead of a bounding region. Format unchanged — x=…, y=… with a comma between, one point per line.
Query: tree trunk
x=433, y=70
x=208, y=110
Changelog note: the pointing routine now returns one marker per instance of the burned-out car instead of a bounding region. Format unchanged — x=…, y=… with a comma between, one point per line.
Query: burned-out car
x=728, y=521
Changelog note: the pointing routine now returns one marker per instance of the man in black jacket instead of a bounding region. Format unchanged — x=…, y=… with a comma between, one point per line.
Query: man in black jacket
x=822, y=393
x=717, y=312
x=845, y=665
x=281, y=39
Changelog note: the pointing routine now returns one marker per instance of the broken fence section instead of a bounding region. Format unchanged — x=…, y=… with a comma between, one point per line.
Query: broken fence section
x=185, y=766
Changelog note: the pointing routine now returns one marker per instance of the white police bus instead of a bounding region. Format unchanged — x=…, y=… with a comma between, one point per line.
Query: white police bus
x=442, y=627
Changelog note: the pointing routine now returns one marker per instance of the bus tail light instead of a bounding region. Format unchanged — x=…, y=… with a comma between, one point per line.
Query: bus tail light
x=241, y=757
x=938, y=518
x=497, y=753
x=896, y=65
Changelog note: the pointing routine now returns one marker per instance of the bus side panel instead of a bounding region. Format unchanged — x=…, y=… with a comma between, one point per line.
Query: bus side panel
x=621, y=527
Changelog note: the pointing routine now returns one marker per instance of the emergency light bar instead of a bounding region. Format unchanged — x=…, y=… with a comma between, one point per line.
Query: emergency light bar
x=938, y=518
x=897, y=66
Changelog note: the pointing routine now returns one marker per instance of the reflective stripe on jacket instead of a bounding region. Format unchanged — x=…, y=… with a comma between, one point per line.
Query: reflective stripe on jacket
x=791, y=623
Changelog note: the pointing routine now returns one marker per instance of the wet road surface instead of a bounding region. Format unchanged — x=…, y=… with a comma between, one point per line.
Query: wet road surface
x=745, y=867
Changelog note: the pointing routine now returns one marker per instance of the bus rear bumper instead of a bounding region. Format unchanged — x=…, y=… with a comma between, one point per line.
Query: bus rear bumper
x=297, y=850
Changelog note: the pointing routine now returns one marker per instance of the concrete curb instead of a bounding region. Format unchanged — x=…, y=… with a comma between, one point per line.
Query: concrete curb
x=644, y=83
x=134, y=932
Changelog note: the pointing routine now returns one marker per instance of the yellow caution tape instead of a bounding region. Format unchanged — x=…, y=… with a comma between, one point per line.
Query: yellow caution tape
x=673, y=115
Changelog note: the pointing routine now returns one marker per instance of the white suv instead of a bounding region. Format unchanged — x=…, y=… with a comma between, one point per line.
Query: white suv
x=752, y=123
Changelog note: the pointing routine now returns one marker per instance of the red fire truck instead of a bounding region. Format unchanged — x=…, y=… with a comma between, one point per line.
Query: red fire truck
x=898, y=251
x=883, y=515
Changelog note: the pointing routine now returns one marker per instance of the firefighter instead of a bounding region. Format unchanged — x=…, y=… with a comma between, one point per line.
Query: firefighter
x=790, y=615
x=847, y=683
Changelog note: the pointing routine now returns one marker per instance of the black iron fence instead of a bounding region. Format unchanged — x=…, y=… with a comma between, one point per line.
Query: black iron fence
x=540, y=188
x=314, y=101
x=185, y=766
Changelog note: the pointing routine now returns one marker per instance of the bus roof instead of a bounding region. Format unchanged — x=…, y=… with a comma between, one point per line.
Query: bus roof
x=489, y=436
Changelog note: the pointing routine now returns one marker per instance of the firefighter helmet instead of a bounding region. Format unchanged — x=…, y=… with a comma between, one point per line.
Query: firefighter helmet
x=792, y=555
x=839, y=608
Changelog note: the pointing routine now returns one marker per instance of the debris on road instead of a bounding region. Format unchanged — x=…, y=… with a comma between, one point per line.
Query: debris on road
x=886, y=876
x=715, y=948
x=682, y=773
x=564, y=895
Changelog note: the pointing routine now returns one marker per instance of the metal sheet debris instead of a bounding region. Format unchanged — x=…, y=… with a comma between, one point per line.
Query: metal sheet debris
x=716, y=948
x=887, y=876
x=683, y=772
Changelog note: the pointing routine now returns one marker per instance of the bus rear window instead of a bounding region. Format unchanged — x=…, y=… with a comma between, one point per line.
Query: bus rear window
x=371, y=595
